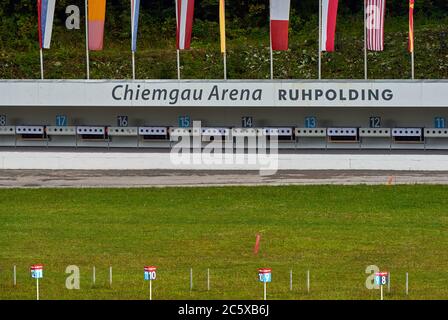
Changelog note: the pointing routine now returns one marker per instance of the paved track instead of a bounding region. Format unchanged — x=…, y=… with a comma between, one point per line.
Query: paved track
x=160, y=178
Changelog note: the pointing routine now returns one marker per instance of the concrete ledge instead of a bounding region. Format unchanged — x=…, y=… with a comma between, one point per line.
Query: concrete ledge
x=162, y=161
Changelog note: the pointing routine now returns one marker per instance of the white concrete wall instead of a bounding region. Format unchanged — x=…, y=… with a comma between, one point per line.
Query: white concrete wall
x=148, y=161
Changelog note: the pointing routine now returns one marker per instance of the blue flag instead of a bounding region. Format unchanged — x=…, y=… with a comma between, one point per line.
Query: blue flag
x=135, y=10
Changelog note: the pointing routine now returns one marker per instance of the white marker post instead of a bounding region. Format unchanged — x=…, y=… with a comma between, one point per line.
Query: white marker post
x=265, y=276
x=381, y=279
x=94, y=276
x=14, y=276
x=290, y=280
x=388, y=284
x=308, y=281
x=407, y=283
x=191, y=279
x=208, y=279
x=37, y=272
x=110, y=276
x=150, y=275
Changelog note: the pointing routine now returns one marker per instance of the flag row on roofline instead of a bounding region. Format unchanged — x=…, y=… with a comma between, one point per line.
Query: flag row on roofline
x=279, y=23
x=374, y=16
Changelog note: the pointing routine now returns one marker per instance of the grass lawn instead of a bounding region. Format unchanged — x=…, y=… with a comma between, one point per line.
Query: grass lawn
x=334, y=231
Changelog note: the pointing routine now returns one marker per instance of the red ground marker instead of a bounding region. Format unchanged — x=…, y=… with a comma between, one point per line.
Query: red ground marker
x=390, y=181
x=257, y=243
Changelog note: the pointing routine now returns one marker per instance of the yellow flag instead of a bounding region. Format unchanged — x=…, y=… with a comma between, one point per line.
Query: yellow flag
x=222, y=25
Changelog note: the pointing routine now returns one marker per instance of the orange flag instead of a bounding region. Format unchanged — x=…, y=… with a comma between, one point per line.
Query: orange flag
x=411, y=26
x=96, y=16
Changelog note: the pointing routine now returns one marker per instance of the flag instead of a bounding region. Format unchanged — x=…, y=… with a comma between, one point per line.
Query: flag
x=375, y=12
x=135, y=10
x=279, y=24
x=411, y=26
x=222, y=25
x=45, y=12
x=185, y=10
x=329, y=14
x=96, y=17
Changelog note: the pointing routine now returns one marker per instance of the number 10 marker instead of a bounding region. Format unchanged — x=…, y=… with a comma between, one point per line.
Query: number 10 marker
x=150, y=275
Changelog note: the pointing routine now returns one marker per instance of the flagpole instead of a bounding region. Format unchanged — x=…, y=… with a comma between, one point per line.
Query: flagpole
x=41, y=64
x=365, y=40
x=87, y=41
x=270, y=45
x=178, y=51
x=320, y=41
x=178, y=64
x=222, y=31
x=272, y=62
x=132, y=41
x=133, y=65
x=412, y=38
x=225, y=65
x=413, y=64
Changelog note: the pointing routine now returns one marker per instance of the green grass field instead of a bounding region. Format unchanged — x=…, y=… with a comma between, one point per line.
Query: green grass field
x=334, y=231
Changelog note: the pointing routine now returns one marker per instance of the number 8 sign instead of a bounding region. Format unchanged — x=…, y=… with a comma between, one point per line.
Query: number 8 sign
x=381, y=278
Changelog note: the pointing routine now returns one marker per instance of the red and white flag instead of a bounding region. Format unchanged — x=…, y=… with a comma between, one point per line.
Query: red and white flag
x=329, y=14
x=185, y=11
x=279, y=24
x=375, y=12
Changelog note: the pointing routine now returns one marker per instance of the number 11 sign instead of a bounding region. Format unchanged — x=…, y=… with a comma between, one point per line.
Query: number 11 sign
x=37, y=272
